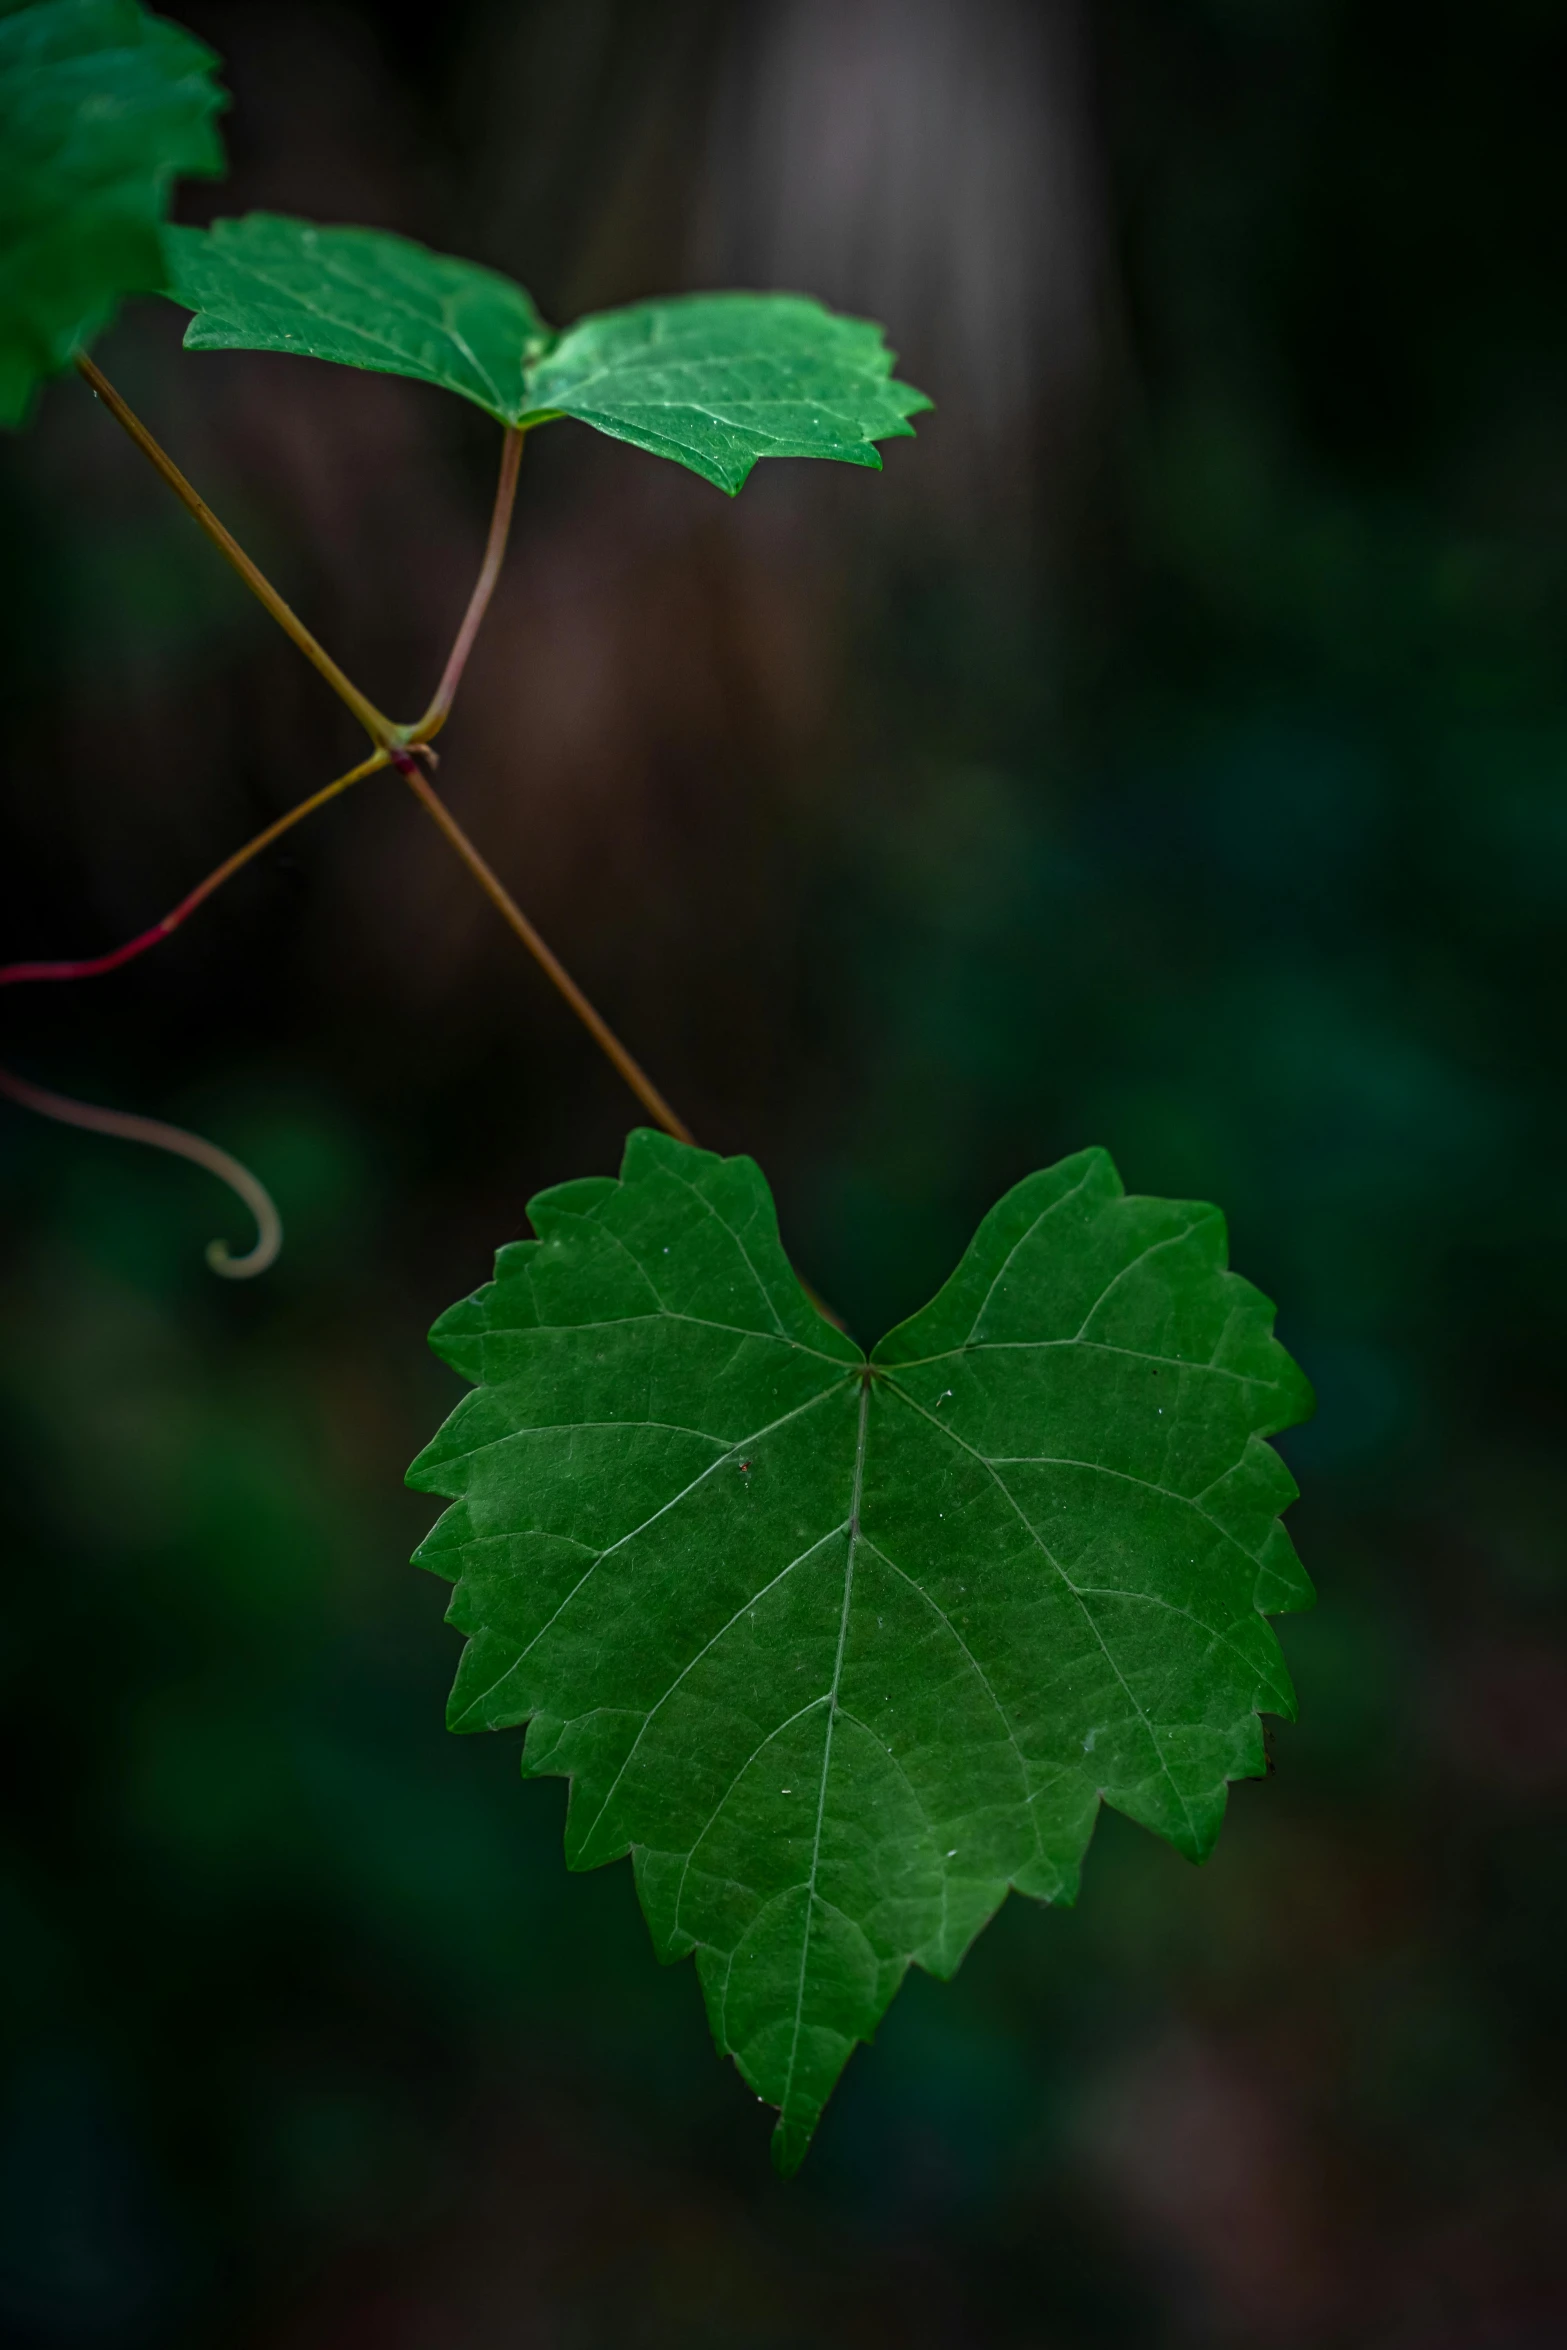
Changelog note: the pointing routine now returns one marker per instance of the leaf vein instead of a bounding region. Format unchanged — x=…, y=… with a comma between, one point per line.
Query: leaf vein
x=1021, y=1241
x=837, y=1679
x=690, y=1667
x=1170, y=1240
x=1087, y=1613
x=631, y=1534
x=975, y=1666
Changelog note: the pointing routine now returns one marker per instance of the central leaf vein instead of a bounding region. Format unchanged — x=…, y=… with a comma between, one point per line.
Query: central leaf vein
x=837, y=1680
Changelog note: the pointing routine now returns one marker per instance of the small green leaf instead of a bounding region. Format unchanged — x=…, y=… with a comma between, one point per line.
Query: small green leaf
x=714, y=381
x=101, y=106
x=357, y=296
x=840, y=1648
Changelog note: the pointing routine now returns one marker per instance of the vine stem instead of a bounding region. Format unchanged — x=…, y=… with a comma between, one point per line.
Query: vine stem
x=375, y=722
x=395, y=743
x=254, y=1193
x=548, y=961
x=153, y=1131
x=94, y=966
x=395, y=746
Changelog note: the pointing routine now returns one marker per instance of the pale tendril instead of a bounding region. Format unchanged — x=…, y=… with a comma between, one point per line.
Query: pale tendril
x=158, y=1136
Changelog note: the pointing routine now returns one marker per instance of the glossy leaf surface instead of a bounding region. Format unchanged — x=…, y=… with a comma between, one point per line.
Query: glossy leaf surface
x=360, y=297
x=714, y=381
x=840, y=1649
x=101, y=107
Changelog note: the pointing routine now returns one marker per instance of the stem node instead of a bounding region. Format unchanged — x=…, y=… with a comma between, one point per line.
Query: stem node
x=407, y=748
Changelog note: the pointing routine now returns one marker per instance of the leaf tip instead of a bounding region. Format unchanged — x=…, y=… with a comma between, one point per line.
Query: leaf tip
x=790, y=2145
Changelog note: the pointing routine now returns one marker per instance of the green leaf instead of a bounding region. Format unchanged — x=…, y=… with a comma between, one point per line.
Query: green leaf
x=101, y=106
x=714, y=381
x=357, y=296
x=837, y=1648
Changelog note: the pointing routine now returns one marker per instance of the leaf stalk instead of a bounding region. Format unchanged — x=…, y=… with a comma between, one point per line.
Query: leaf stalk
x=436, y=715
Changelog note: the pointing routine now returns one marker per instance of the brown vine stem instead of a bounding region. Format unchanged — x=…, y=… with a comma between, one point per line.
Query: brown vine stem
x=395, y=743
x=548, y=961
x=375, y=722
x=394, y=747
x=269, y=1225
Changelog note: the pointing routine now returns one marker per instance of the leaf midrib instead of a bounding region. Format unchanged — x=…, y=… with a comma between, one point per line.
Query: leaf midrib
x=857, y=1490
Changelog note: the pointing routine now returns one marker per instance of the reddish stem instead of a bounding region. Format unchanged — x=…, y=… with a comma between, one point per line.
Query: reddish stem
x=93, y=966
x=484, y=587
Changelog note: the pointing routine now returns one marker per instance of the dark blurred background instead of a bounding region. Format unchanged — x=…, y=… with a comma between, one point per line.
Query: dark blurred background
x=1168, y=751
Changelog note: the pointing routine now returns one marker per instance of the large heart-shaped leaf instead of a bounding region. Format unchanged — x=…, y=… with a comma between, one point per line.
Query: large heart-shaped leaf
x=839, y=1648
x=714, y=381
x=101, y=106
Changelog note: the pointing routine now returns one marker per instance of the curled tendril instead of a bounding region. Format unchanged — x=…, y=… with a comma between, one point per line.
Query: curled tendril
x=158, y=1136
